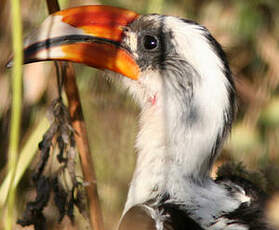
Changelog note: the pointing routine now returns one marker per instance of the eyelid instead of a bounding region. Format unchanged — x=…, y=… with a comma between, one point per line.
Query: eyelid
x=126, y=29
x=151, y=35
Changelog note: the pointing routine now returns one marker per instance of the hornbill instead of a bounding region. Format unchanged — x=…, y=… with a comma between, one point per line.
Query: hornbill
x=179, y=75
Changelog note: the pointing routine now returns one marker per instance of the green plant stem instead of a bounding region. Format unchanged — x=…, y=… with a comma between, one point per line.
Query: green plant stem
x=16, y=106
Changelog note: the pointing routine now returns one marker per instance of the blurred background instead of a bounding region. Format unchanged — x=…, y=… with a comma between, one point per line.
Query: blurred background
x=248, y=31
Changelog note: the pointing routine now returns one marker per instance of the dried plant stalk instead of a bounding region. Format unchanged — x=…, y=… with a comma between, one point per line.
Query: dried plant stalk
x=81, y=137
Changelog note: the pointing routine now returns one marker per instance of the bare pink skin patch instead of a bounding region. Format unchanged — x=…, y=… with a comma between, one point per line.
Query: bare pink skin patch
x=153, y=99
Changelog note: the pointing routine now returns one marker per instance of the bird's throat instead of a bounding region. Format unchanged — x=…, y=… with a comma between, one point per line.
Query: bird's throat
x=171, y=154
x=173, y=161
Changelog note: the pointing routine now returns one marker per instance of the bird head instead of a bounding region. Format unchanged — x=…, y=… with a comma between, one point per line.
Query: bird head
x=173, y=67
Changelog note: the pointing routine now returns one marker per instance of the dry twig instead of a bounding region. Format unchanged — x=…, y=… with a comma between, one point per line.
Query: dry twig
x=81, y=137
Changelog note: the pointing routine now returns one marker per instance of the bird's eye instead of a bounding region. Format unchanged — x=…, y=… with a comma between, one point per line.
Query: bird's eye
x=150, y=42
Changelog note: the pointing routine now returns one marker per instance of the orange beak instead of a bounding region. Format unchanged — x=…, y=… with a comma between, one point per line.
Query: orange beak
x=88, y=34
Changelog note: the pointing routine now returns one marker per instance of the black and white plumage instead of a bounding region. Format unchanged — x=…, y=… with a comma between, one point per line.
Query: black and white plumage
x=185, y=89
x=182, y=132
x=163, y=213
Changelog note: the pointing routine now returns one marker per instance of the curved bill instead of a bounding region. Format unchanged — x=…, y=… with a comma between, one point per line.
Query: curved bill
x=88, y=34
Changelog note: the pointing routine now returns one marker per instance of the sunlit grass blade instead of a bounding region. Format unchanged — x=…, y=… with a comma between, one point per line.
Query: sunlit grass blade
x=16, y=106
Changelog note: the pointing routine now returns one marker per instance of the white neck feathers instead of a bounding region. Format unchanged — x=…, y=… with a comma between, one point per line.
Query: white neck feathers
x=178, y=133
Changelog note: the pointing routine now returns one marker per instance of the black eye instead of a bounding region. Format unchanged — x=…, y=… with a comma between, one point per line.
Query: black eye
x=150, y=42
